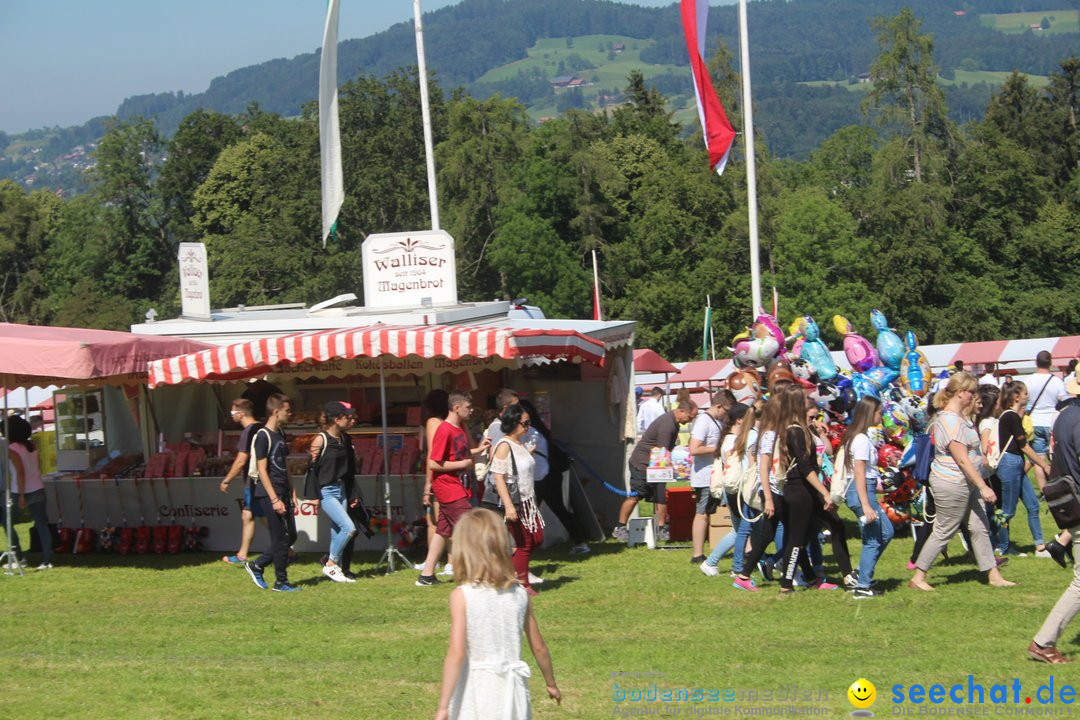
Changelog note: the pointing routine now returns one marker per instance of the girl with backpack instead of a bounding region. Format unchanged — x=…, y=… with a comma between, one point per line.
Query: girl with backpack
x=735, y=455
x=860, y=475
x=956, y=482
x=1015, y=484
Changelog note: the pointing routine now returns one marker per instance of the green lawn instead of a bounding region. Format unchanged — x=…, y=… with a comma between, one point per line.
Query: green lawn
x=1061, y=21
x=189, y=637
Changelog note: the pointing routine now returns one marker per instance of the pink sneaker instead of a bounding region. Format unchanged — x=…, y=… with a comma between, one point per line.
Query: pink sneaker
x=744, y=584
x=822, y=585
x=911, y=565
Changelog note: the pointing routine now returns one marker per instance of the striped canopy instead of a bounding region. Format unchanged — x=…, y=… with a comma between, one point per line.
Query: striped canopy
x=513, y=346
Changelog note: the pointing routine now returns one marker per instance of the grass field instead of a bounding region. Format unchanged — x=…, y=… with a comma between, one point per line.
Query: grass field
x=1061, y=21
x=187, y=636
x=607, y=72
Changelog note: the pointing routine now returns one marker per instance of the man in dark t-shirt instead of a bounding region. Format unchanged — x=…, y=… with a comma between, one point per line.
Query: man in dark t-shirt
x=243, y=412
x=663, y=433
x=275, y=493
x=1066, y=461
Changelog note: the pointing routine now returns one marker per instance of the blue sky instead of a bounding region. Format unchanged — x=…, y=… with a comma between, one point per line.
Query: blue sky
x=66, y=61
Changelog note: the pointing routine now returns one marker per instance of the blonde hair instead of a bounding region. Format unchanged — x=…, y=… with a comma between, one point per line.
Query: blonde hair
x=957, y=381
x=481, y=550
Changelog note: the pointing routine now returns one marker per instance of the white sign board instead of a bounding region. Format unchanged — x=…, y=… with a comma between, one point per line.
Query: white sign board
x=194, y=281
x=407, y=269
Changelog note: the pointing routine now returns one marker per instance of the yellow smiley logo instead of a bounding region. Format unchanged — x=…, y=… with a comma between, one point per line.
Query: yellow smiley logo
x=862, y=693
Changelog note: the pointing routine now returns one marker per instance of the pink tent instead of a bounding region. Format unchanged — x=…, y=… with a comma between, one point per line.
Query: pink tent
x=38, y=355
x=650, y=361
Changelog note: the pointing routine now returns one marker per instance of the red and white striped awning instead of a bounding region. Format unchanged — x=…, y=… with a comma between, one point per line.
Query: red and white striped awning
x=517, y=346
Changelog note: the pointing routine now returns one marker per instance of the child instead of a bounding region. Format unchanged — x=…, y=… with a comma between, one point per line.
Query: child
x=483, y=675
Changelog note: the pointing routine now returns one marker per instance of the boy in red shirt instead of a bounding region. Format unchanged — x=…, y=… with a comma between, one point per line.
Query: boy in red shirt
x=449, y=458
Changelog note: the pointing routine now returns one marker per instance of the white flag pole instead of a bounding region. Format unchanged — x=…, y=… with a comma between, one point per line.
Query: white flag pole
x=596, y=287
x=751, y=169
x=333, y=184
x=429, y=149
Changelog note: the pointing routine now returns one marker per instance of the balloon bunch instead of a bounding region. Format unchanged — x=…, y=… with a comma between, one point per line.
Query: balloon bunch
x=893, y=370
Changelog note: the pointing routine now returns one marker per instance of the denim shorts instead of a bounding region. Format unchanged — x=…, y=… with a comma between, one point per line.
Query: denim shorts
x=1041, y=442
x=705, y=503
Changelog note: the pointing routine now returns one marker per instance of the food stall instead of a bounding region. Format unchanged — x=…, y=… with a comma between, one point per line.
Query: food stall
x=575, y=371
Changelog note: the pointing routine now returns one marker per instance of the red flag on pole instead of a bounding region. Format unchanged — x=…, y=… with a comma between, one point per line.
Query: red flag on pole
x=719, y=135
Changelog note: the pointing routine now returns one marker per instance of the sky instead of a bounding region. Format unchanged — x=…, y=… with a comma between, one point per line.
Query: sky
x=66, y=61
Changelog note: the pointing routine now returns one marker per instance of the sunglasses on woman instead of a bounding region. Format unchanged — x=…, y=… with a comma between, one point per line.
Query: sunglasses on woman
x=526, y=423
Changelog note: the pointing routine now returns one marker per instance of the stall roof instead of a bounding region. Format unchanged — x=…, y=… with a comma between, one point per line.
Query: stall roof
x=397, y=348
x=650, y=361
x=36, y=355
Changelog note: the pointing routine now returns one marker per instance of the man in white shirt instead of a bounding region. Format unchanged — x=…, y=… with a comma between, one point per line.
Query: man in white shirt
x=1045, y=391
x=650, y=409
x=988, y=377
x=704, y=441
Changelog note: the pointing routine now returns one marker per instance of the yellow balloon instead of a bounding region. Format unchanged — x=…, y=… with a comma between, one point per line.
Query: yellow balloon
x=862, y=693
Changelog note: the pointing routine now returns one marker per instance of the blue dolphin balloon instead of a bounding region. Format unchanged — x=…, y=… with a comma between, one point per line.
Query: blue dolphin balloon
x=815, y=352
x=890, y=347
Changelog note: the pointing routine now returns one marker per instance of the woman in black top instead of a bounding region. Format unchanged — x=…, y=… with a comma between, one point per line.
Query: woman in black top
x=334, y=465
x=1015, y=484
x=795, y=447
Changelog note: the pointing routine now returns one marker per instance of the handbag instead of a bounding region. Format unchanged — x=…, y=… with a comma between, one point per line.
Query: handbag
x=1026, y=421
x=311, y=477
x=491, y=495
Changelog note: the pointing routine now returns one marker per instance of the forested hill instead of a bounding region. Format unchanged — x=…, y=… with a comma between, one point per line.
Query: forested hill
x=791, y=41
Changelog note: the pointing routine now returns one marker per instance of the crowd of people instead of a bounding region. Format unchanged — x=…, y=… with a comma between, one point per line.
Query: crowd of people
x=784, y=479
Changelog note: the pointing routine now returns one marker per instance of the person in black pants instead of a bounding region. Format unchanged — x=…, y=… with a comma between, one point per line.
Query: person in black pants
x=276, y=495
x=800, y=506
x=550, y=464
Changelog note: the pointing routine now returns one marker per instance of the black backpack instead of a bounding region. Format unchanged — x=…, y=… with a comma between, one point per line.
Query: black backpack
x=1063, y=498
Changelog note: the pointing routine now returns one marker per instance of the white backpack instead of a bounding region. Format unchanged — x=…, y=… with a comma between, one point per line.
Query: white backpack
x=840, y=482
x=994, y=449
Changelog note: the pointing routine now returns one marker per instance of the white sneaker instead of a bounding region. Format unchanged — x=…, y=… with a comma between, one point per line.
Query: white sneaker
x=448, y=569
x=1044, y=553
x=582, y=549
x=334, y=573
x=708, y=569
x=48, y=566
x=535, y=580
x=418, y=566
x=14, y=564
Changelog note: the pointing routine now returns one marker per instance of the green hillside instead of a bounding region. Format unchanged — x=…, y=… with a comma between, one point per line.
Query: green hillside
x=962, y=77
x=1059, y=21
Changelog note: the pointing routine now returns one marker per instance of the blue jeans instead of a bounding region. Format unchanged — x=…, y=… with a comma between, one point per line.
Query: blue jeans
x=875, y=535
x=342, y=528
x=1015, y=486
x=735, y=539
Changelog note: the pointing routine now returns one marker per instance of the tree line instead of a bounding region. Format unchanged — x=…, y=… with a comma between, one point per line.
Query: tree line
x=962, y=232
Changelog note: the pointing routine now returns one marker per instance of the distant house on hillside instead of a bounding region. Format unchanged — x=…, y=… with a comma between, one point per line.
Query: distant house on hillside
x=576, y=82
x=563, y=80
x=959, y=13
x=864, y=78
x=618, y=47
x=1035, y=26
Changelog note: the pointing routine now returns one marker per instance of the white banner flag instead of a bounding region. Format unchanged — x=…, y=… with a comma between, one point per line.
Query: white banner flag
x=333, y=186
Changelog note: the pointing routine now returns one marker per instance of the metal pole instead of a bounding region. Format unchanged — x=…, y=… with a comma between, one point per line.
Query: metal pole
x=751, y=169
x=391, y=551
x=429, y=148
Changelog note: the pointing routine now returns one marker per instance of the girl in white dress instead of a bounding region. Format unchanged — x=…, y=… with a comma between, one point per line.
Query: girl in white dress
x=484, y=676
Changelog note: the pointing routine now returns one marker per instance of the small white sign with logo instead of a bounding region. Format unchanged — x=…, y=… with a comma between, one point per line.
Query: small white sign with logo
x=409, y=269
x=194, y=281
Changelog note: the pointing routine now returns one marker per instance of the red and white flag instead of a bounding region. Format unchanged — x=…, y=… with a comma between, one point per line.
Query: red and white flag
x=719, y=135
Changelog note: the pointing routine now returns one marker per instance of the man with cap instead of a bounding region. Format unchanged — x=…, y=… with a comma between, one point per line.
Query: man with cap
x=1066, y=461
